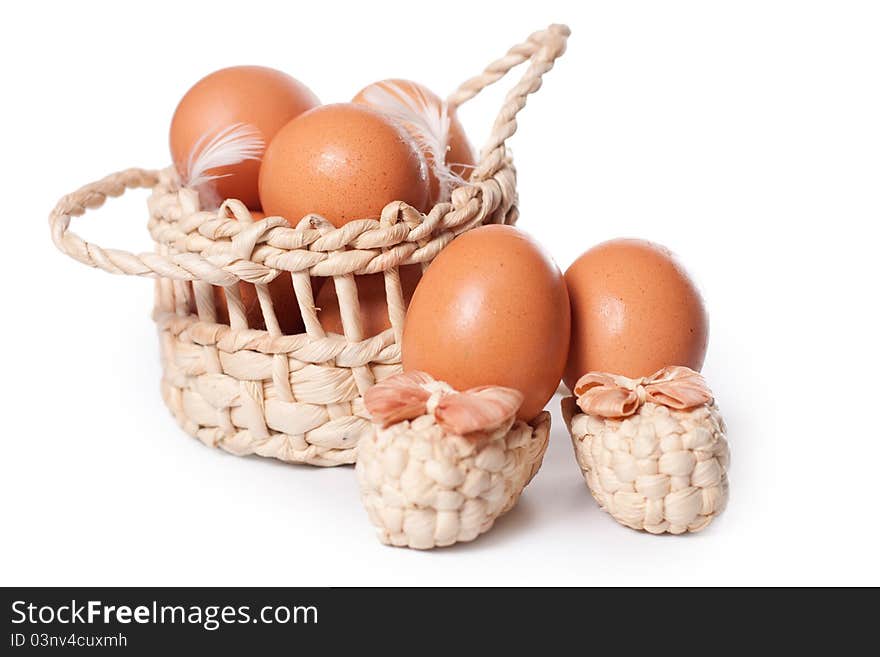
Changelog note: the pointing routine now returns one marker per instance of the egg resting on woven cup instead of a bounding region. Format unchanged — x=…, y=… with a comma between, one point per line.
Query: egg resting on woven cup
x=634, y=309
x=492, y=309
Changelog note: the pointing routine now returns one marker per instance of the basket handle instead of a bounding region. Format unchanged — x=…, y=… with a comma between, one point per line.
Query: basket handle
x=542, y=48
x=92, y=196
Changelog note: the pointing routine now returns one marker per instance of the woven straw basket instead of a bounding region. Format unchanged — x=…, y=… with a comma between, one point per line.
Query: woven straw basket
x=297, y=398
x=653, y=451
x=442, y=466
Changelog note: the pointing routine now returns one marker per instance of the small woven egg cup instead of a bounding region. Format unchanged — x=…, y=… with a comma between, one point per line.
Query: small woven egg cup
x=653, y=451
x=442, y=466
x=297, y=398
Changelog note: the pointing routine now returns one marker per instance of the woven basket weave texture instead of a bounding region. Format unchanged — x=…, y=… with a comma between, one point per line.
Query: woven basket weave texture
x=297, y=398
x=424, y=489
x=661, y=470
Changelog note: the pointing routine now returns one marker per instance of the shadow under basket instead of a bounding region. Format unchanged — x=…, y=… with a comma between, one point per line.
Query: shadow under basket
x=247, y=386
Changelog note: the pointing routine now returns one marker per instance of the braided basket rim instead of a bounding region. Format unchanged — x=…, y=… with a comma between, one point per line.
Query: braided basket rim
x=242, y=249
x=492, y=185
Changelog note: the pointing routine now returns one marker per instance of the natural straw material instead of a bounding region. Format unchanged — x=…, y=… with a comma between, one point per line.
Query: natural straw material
x=657, y=463
x=424, y=485
x=298, y=397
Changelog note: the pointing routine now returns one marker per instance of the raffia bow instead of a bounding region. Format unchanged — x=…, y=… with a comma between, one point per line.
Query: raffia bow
x=412, y=394
x=612, y=396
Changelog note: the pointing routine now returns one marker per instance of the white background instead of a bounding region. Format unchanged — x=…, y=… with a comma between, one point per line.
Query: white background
x=745, y=136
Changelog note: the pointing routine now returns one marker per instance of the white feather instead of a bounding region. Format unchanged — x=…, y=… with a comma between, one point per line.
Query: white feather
x=428, y=122
x=231, y=145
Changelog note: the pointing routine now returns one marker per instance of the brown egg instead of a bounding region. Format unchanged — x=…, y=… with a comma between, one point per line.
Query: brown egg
x=373, y=302
x=634, y=310
x=222, y=125
x=283, y=301
x=437, y=131
x=491, y=309
x=343, y=162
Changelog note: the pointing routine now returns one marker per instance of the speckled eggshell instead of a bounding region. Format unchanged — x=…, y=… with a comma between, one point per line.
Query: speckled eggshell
x=372, y=299
x=254, y=95
x=343, y=162
x=492, y=309
x=634, y=310
x=459, y=157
